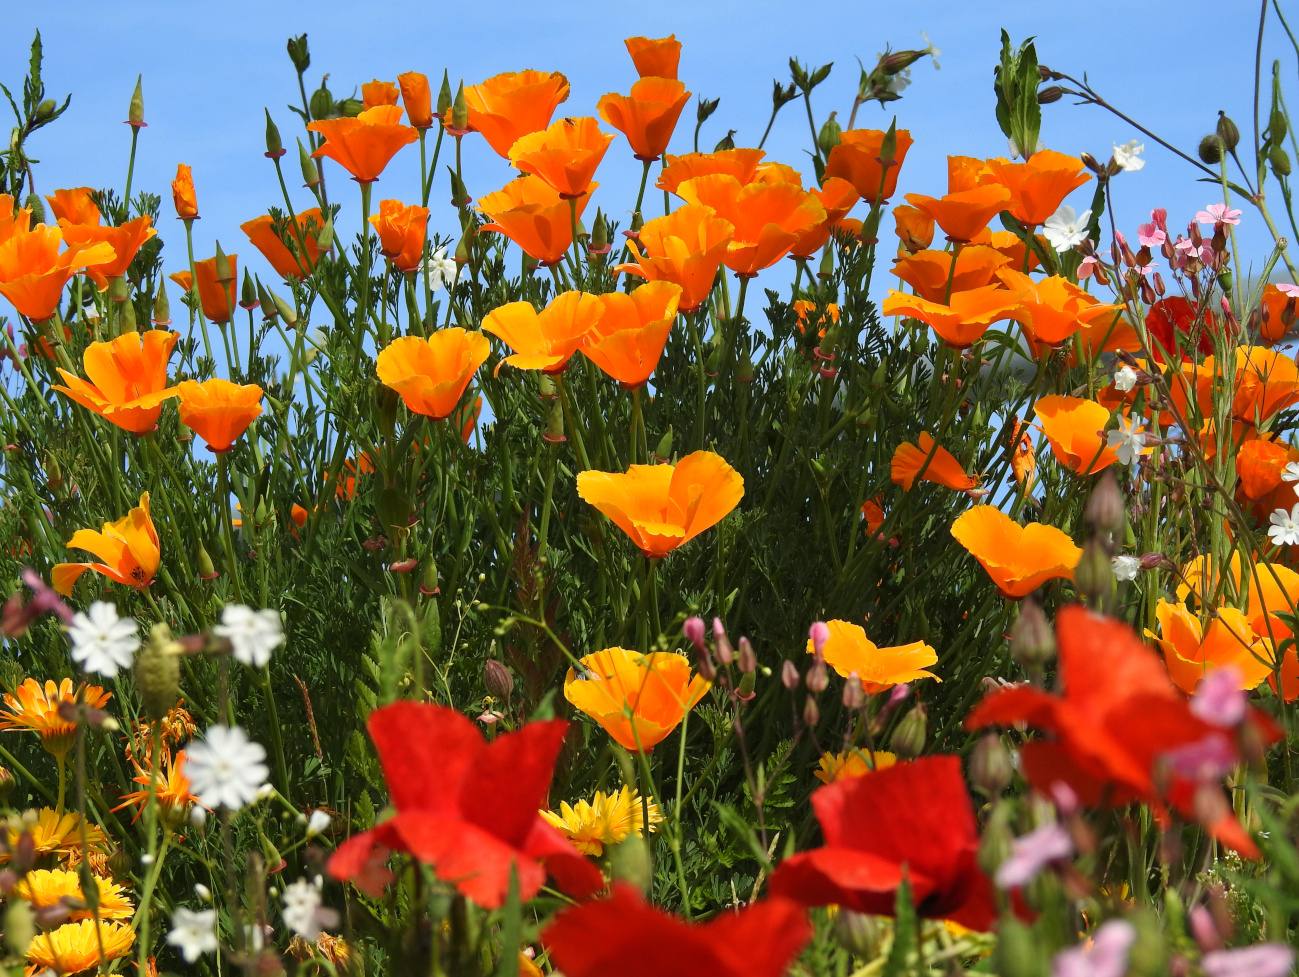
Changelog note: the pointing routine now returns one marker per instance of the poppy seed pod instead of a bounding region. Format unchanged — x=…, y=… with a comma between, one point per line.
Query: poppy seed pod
x=858, y=933
x=1228, y=132
x=322, y=103
x=908, y=739
x=298, y=53
x=497, y=679
x=157, y=672
x=1105, y=509
x=1032, y=642
x=991, y=769
x=1210, y=150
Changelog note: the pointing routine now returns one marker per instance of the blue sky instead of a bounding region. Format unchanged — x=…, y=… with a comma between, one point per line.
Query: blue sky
x=208, y=74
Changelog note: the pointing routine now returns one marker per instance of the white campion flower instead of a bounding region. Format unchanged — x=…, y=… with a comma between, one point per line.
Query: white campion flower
x=1014, y=147
x=318, y=823
x=226, y=768
x=1129, y=440
x=1125, y=567
x=303, y=912
x=1285, y=527
x=1291, y=473
x=193, y=933
x=102, y=642
x=1125, y=379
x=203, y=892
x=253, y=635
x=1065, y=229
x=1127, y=156
x=440, y=270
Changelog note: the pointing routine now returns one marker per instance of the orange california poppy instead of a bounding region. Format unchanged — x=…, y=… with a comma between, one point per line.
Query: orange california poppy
x=467, y=417
x=125, y=240
x=128, y=548
x=366, y=144
x=213, y=295
x=685, y=247
x=663, y=506
x=1051, y=309
x=378, y=93
x=628, y=339
x=532, y=214
x=294, y=253
x=773, y=172
x=964, y=214
x=432, y=374
x=1266, y=382
x=1275, y=306
x=915, y=228
x=1190, y=651
x=767, y=217
x=218, y=410
x=1103, y=330
x=962, y=322
x=1037, y=186
x=13, y=219
x=544, y=340
x=513, y=104
x=1273, y=591
x=182, y=193
x=1260, y=464
x=872, y=511
x=352, y=470
x=75, y=207
x=848, y=651
x=928, y=271
x=804, y=308
x=33, y=271
x=565, y=155
x=655, y=57
x=417, y=97
x=638, y=699
x=943, y=468
x=1023, y=460
x=1019, y=559
x=128, y=379
x=965, y=173
x=1010, y=244
x=648, y=116
x=852, y=763
x=739, y=163
x=837, y=197
x=402, y=230
x=857, y=160
x=1076, y=429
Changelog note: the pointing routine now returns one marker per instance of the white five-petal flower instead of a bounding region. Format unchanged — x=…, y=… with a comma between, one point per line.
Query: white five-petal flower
x=1064, y=229
x=302, y=912
x=1285, y=527
x=1291, y=472
x=253, y=635
x=1127, y=156
x=102, y=642
x=1125, y=379
x=194, y=933
x=1125, y=567
x=226, y=768
x=1129, y=440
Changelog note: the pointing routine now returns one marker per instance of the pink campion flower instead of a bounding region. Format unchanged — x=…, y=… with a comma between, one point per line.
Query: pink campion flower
x=1031, y=853
x=1218, y=214
x=1090, y=263
x=1105, y=956
x=1205, y=761
x=1262, y=960
x=1218, y=697
x=1159, y=216
x=1292, y=291
x=1151, y=235
x=1065, y=797
x=694, y=631
x=1204, y=929
x=819, y=632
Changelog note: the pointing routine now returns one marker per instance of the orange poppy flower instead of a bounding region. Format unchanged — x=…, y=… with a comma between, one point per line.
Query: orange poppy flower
x=964, y=214
x=513, y=104
x=1009, y=244
x=1076, y=429
x=965, y=173
x=1019, y=559
x=402, y=231
x=915, y=228
x=532, y=214
x=739, y=163
x=852, y=763
x=1274, y=303
x=296, y=258
x=13, y=219
x=1273, y=591
x=128, y=379
x=848, y=651
x=299, y=515
x=663, y=506
x=218, y=410
x=1023, y=461
x=1259, y=464
x=638, y=699
x=803, y=308
x=768, y=218
x=36, y=708
x=872, y=511
x=1267, y=382
x=928, y=271
x=467, y=418
x=213, y=295
x=943, y=469
x=1051, y=309
x=128, y=547
x=684, y=248
x=417, y=97
x=837, y=197
x=628, y=339
x=962, y=322
x=1103, y=330
x=125, y=240
x=544, y=341
x=648, y=116
x=857, y=160
x=378, y=93
x=432, y=374
x=655, y=57
x=773, y=172
x=346, y=487
x=33, y=271
x=182, y=193
x=1039, y=185
x=75, y=207
x=565, y=155
x=366, y=144
x=1190, y=651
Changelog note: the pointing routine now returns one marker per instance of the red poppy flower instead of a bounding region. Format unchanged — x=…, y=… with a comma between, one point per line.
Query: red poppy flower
x=626, y=936
x=1175, y=315
x=466, y=807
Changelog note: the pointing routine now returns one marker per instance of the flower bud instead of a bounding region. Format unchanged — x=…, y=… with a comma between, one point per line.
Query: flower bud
x=1094, y=575
x=135, y=114
x=272, y=854
x=1052, y=93
x=664, y=451
x=310, y=175
x=7, y=784
x=248, y=293
x=350, y=108
x=817, y=676
x=748, y=681
x=990, y=767
x=37, y=209
x=161, y=307
x=1210, y=150
x=629, y=861
x=224, y=273
x=460, y=110
x=789, y=677
x=748, y=659
x=322, y=103
x=157, y=672
x=694, y=632
x=854, y=696
x=299, y=54
x=497, y=679
x=908, y=739
x=828, y=137
x=858, y=933
x=206, y=569
x=284, y=310
x=725, y=653
x=555, y=425
x=1018, y=953
x=460, y=198
x=706, y=108
x=599, y=235
x=128, y=323
x=811, y=714
x=20, y=926
x=1032, y=642
x=274, y=146
x=1227, y=131
x=819, y=632
x=445, y=98
x=727, y=142
x=119, y=864
x=1280, y=162
x=1105, y=509
x=118, y=289
x=429, y=585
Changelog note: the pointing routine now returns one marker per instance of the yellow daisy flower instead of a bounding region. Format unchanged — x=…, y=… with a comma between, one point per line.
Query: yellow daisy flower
x=53, y=832
x=47, y=887
x=74, y=947
x=852, y=763
x=606, y=819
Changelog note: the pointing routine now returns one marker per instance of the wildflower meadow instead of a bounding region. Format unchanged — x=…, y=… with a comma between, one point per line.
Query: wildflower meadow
x=776, y=573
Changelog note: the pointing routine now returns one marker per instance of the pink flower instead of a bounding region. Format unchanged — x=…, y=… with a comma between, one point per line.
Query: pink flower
x=1151, y=235
x=1206, y=760
x=1218, y=698
x=694, y=631
x=819, y=632
x=1291, y=290
x=1218, y=214
x=1105, y=956
x=1263, y=960
x=1031, y=853
x=1090, y=263
x=1160, y=218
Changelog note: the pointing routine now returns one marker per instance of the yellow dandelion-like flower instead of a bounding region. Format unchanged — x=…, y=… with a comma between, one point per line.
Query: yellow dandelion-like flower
x=852, y=763
x=74, y=947
x=53, y=832
x=48, y=887
x=606, y=819
x=36, y=708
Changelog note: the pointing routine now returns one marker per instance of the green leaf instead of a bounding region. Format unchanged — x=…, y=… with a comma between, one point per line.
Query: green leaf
x=904, y=931
x=511, y=928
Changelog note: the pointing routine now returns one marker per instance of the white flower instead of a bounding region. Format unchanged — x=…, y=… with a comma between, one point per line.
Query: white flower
x=253, y=635
x=197, y=816
x=226, y=768
x=1291, y=473
x=1285, y=527
x=1014, y=147
x=897, y=82
x=1064, y=229
x=1125, y=378
x=318, y=822
x=1130, y=440
x=302, y=911
x=265, y=792
x=1125, y=567
x=102, y=642
x=440, y=270
x=193, y=932
x=203, y=892
x=1126, y=156
x=932, y=51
